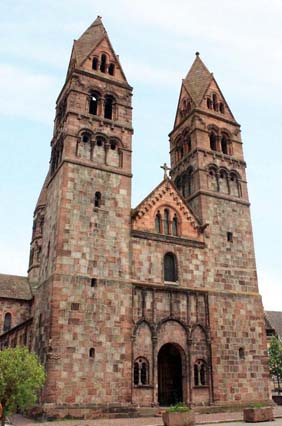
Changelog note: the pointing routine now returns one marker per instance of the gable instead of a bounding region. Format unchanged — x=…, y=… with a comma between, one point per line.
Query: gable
x=112, y=67
x=213, y=93
x=166, y=197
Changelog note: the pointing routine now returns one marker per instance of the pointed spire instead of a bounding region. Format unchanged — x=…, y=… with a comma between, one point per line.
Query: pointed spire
x=89, y=39
x=197, y=80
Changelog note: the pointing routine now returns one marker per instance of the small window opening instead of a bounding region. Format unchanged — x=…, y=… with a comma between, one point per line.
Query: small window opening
x=230, y=237
x=100, y=141
x=75, y=306
x=214, y=102
x=158, y=223
x=170, y=273
x=93, y=282
x=175, y=226
x=92, y=353
x=112, y=69
x=221, y=107
x=166, y=221
x=95, y=64
x=103, y=63
x=213, y=141
x=189, y=144
x=85, y=137
x=113, y=146
x=97, y=199
x=7, y=322
x=209, y=103
x=93, y=104
x=108, y=112
x=241, y=353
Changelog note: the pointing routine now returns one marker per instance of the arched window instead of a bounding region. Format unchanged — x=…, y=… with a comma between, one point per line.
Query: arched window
x=235, y=187
x=92, y=353
x=113, y=145
x=93, y=104
x=175, y=226
x=7, y=322
x=214, y=102
x=85, y=137
x=95, y=63
x=213, y=141
x=209, y=103
x=112, y=69
x=170, y=272
x=166, y=221
x=103, y=64
x=200, y=373
x=224, y=144
x=100, y=141
x=108, y=107
x=97, y=199
x=158, y=222
x=221, y=107
x=141, y=372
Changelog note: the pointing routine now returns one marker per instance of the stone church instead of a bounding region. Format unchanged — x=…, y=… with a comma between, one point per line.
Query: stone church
x=146, y=306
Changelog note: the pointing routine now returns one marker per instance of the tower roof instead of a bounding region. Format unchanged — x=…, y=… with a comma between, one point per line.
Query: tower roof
x=197, y=80
x=89, y=39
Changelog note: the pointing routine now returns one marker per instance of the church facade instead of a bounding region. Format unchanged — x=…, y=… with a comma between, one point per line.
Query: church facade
x=147, y=306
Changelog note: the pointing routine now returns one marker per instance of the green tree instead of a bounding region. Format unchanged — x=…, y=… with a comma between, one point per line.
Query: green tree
x=21, y=377
x=275, y=360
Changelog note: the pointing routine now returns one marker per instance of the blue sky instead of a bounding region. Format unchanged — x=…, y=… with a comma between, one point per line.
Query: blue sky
x=240, y=41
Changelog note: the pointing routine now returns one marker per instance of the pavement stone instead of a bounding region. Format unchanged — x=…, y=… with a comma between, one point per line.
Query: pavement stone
x=230, y=419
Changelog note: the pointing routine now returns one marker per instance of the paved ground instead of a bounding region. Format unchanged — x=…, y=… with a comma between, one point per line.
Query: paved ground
x=230, y=419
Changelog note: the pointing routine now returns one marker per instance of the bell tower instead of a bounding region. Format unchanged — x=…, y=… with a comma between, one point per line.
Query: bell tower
x=209, y=170
x=83, y=292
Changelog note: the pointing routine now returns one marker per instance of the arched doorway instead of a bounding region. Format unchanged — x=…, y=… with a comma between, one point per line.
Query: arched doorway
x=169, y=375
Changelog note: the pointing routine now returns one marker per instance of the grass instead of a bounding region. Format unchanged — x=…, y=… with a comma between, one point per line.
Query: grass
x=178, y=408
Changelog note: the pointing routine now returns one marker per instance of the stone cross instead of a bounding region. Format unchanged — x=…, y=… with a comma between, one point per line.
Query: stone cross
x=165, y=168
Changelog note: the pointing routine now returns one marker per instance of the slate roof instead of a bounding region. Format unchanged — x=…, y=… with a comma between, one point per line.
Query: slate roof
x=89, y=40
x=14, y=287
x=274, y=318
x=197, y=80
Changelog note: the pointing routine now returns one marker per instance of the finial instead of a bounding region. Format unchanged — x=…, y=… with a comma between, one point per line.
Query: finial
x=197, y=53
x=99, y=17
x=165, y=168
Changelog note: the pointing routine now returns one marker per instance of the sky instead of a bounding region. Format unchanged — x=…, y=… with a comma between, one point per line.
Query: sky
x=239, y=41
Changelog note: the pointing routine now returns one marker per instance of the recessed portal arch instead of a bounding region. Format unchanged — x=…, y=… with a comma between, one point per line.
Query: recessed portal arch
x=170, y=374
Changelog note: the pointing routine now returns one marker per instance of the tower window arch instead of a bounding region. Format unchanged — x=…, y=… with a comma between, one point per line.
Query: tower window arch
x=94, y=102
x=7, y=322
x=95, y=63
x=108, y=107
x=85, y=137
x=100, y=141
x=224, y=144
x=103, y=64
x=214, y=102
x=112, y=69
x=221, y=107
x=209, y=103
x=213, y=141
x=170, y=268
